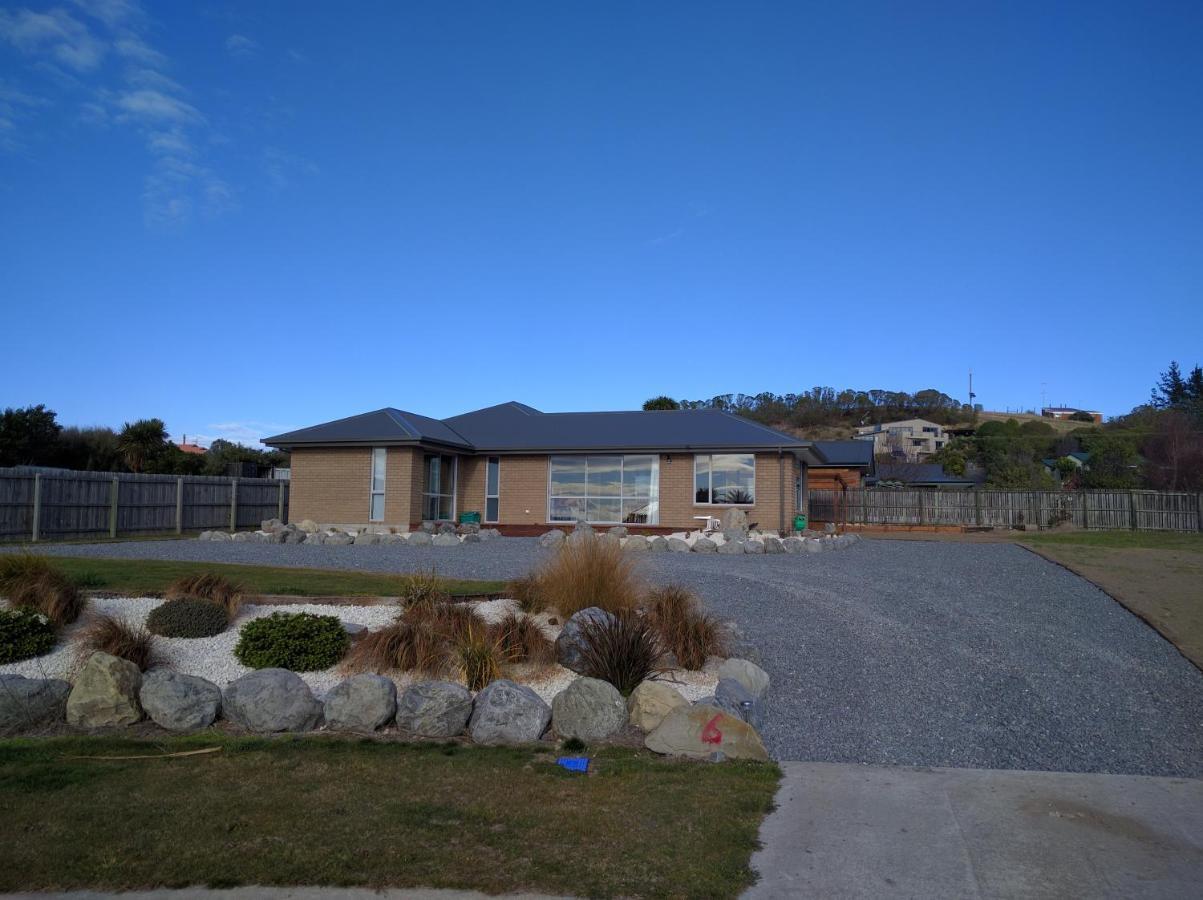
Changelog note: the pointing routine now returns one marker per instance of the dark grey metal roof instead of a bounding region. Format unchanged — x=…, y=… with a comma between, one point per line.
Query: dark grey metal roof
x=382, y=426
x=515, y=427
x=846, y=453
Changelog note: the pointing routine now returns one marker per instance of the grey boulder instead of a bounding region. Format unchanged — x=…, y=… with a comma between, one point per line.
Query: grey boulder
x=508, y=713
x=793, y=545
x=446, y=539
x=704, y=545
x=754, y=547
x=368, y=538
x=589, y=709
x=271, y=700
x=446, y=528
x=619, y=531
x=732, y=548
x=361, y=703
x=571, y=640
x=420, y=539
x=773, y=545
x=676, y=545
x=552, y=539
x=733, y=697
x=338, y=539
x=754, y=679
x=636, y=543
x=434, y=709
x=31, y=702
x=658, y=544
x=179, y=702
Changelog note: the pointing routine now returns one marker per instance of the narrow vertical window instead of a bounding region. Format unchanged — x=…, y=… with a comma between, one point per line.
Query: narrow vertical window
x=492, y=488
x=376, y=512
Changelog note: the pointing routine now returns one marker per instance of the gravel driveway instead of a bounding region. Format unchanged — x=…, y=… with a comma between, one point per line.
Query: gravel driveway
x=891, y=652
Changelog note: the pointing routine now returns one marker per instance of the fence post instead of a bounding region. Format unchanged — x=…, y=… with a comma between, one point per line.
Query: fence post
x=280, y=503
x=179, y=505
x=37, y=507
x=114, y=492
x=234, y=504
x=1132, y=510
x=1199, y=510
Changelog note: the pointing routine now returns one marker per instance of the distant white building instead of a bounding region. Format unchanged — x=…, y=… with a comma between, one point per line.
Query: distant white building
x=910, y=439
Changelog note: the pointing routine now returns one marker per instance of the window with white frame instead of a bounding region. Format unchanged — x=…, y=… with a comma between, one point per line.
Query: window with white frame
x=438, y=497
x=727, y=479
x=604, y=489
x=492, y=489
x=376, y=506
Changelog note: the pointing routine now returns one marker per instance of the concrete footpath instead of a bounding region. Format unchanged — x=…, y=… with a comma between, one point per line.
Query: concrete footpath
x=867, y=832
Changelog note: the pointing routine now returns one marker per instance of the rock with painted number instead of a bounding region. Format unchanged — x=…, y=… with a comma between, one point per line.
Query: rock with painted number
x=697, y=732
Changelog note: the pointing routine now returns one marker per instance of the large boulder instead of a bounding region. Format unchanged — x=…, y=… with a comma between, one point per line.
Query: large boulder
x=446, y=539
x=552, y=539
x=360, y=703
x=636, y=543
x=589, y=709
x=619, y=531
x=315, y=537
x=270, y=524
x=392, y=538
x=434, y=709
x=704, y=545
x=793, y=545
x=242, y=537
x=105, y=693
x=420, y=539
x=219, y=536
x=27, y=703
x=271, y=700
x=508, y=713
x=700, y=731
x=814, y=545
x=179, y=702
x=657, y=544
x=445, y=528
x=338, y=539
x=368, y=538
x=608, y=540
x=294, y=536
x=734, y=519
x=676, y=545
x=733, y=697
x=427, y=527
x=732, y=548
x=753, y=546
x=773, y=545
x=650, y=702
x=471, y=537
x=309, y=525
x=570, y=641
x=754, y=679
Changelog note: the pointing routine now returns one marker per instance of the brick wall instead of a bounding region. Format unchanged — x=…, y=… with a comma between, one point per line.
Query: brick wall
x=330, y=485
x=677, y=508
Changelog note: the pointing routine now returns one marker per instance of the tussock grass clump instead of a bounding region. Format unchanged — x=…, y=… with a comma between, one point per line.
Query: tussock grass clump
x=423, y=587
x=403, y=646
x=115, y=636
x=480, y=656
x=589, y=573
x=50, y=593
x=208, y=586
x=526, y=592
x=623, y=650
x=522, y=640
x=688, y=633
x=18, y=567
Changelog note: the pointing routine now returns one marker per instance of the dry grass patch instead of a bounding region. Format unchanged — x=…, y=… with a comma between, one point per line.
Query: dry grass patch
x=525, y=591
x=50, y=593
x=16, y=568
x=691, y=635
x=480, y=656
x=624, y=650
x=423, y=587
x=209, y=586
x=586, y=573
x=117, y=637
x=522, y=640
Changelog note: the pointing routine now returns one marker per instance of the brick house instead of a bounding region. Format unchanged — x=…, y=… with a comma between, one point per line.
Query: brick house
x=524, y=470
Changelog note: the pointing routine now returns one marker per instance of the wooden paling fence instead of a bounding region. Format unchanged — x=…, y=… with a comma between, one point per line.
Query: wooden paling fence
x=55, y=505
x=1096, y=510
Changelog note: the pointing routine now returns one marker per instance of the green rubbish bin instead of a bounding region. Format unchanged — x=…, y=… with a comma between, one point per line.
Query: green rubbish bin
x=469, y=518
x=799, y=522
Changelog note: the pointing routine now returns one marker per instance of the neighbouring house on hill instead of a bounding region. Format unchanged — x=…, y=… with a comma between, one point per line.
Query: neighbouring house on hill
x=925, y=475
x=1079, y=460
x=1066, y=412
x=524, y=470
x=909, y=439
x=847, y=465
x=194, y=449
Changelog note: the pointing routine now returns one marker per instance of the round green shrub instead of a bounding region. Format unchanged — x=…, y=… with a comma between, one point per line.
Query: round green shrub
x=24, y=633
x=302, y=642
x=187, y=617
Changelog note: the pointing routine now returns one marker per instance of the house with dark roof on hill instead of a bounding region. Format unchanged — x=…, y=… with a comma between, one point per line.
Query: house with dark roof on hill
x=524, y=470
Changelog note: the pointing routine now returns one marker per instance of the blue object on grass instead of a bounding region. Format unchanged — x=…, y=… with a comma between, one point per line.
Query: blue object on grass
x=574, y=763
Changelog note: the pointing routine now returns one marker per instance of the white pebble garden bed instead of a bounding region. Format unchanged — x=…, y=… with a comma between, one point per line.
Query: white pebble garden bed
x=213, y=658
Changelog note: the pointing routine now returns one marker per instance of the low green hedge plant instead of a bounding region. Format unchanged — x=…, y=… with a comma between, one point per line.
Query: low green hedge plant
x=24, y=633
x=302, y=642
x=187, y=617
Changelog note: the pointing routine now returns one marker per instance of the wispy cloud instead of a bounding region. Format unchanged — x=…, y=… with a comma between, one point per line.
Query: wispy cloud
x=15, y=105
x=241, y=45
x=57, y=33
x=283, y=169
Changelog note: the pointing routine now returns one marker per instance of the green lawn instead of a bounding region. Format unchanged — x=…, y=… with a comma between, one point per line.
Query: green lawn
x=1119, y=540
x=331, y=811
x=143, y=576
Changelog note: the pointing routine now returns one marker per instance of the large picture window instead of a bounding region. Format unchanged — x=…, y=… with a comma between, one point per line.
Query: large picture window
x=438, y=499
x=605, y=489
x=728, y=479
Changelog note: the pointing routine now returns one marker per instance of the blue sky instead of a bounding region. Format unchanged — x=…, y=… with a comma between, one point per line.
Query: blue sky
x=246, y=217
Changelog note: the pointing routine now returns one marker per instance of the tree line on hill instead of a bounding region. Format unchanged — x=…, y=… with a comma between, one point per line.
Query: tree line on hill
x=1158, y=445
x=32, y=436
